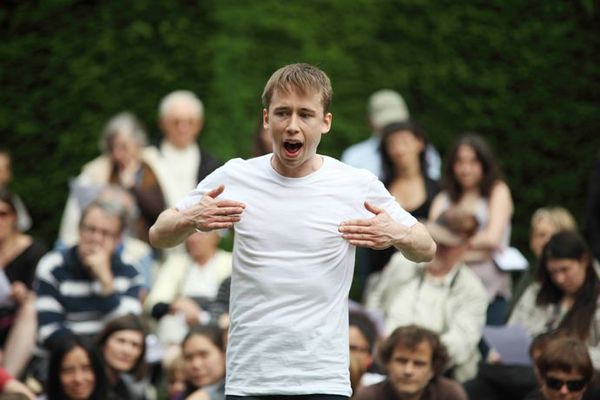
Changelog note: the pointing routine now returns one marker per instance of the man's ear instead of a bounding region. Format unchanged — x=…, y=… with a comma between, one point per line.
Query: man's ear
x=265, y=118
x=327, y=119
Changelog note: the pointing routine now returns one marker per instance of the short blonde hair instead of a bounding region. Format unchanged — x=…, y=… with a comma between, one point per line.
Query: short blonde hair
x=560, y=217
x=301, y=77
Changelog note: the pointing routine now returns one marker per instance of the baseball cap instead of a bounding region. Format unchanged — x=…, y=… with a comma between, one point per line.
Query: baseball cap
x=453, y=227
x=387, y=106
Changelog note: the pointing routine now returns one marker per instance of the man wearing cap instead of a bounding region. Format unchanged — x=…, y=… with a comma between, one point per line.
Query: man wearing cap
x=385, y=107
x=443, y=295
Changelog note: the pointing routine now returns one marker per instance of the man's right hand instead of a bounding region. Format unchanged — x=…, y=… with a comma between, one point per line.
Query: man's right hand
x=210, y=214
x=98, y=262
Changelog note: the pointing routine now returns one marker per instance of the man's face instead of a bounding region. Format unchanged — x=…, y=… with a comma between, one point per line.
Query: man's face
x=296, y=122
x=98, y=232
x=359, y=347
x=410, y=370
x=555, y=387
x=181, y=124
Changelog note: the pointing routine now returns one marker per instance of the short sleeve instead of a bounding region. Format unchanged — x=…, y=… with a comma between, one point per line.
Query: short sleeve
x=213, y=180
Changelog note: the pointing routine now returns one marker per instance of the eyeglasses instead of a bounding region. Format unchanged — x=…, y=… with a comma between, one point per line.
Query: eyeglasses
x=572, y=386
x=90, y=230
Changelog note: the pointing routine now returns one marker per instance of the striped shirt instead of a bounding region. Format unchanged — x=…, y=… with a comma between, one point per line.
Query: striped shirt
x=69, y=299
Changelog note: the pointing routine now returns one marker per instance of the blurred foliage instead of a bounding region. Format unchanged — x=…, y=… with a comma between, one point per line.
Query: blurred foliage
x=524, y=74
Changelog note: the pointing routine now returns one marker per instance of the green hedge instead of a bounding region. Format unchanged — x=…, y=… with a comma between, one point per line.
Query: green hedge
x=524, y=74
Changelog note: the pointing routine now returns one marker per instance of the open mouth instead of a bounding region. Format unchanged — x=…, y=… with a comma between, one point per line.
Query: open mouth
x=292, y=148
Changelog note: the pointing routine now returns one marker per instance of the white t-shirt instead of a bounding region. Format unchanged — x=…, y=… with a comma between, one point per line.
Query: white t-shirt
x=292, y=272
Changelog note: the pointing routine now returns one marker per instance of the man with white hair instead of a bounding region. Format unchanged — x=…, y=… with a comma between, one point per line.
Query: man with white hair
x=386, y=106
x=184, y=163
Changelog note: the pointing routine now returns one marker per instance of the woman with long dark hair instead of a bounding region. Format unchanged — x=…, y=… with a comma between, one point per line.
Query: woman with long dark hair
x=564, y=300
x=566, y=295
x=122, y=347
x=75, y=372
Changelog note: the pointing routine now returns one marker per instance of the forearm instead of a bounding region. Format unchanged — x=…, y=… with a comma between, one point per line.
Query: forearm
x=170, y=229
x=417, y=245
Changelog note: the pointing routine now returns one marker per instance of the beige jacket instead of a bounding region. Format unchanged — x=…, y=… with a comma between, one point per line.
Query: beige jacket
x=458, y=322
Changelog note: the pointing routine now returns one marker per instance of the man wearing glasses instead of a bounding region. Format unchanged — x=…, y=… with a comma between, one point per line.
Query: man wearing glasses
x=83, y=286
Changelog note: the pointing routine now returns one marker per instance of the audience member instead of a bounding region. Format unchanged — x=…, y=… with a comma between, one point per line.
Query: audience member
x=9, y=385
x=75, y=372
x=132, y=250
x=402, y=151
x=126, y=162
x=184, y=163
x=415, y=360
x=472, y=180
x=23, y=218
x=566, y=294
x=362, y=339
x=19, y=255
x=545, y=222
x=385, y=107
x=564, y=370
x=203, y=352
x=187, y=286
x=122, y=348
x=444, y=295
x=82, y=287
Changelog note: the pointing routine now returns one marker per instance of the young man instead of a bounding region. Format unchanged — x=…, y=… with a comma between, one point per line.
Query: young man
x=297, y=217
x=415, y=360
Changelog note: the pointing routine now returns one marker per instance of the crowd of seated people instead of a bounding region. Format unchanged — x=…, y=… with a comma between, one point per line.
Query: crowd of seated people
x=86, y=319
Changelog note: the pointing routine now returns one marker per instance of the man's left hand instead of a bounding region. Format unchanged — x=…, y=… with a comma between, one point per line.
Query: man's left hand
x=379, y=232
